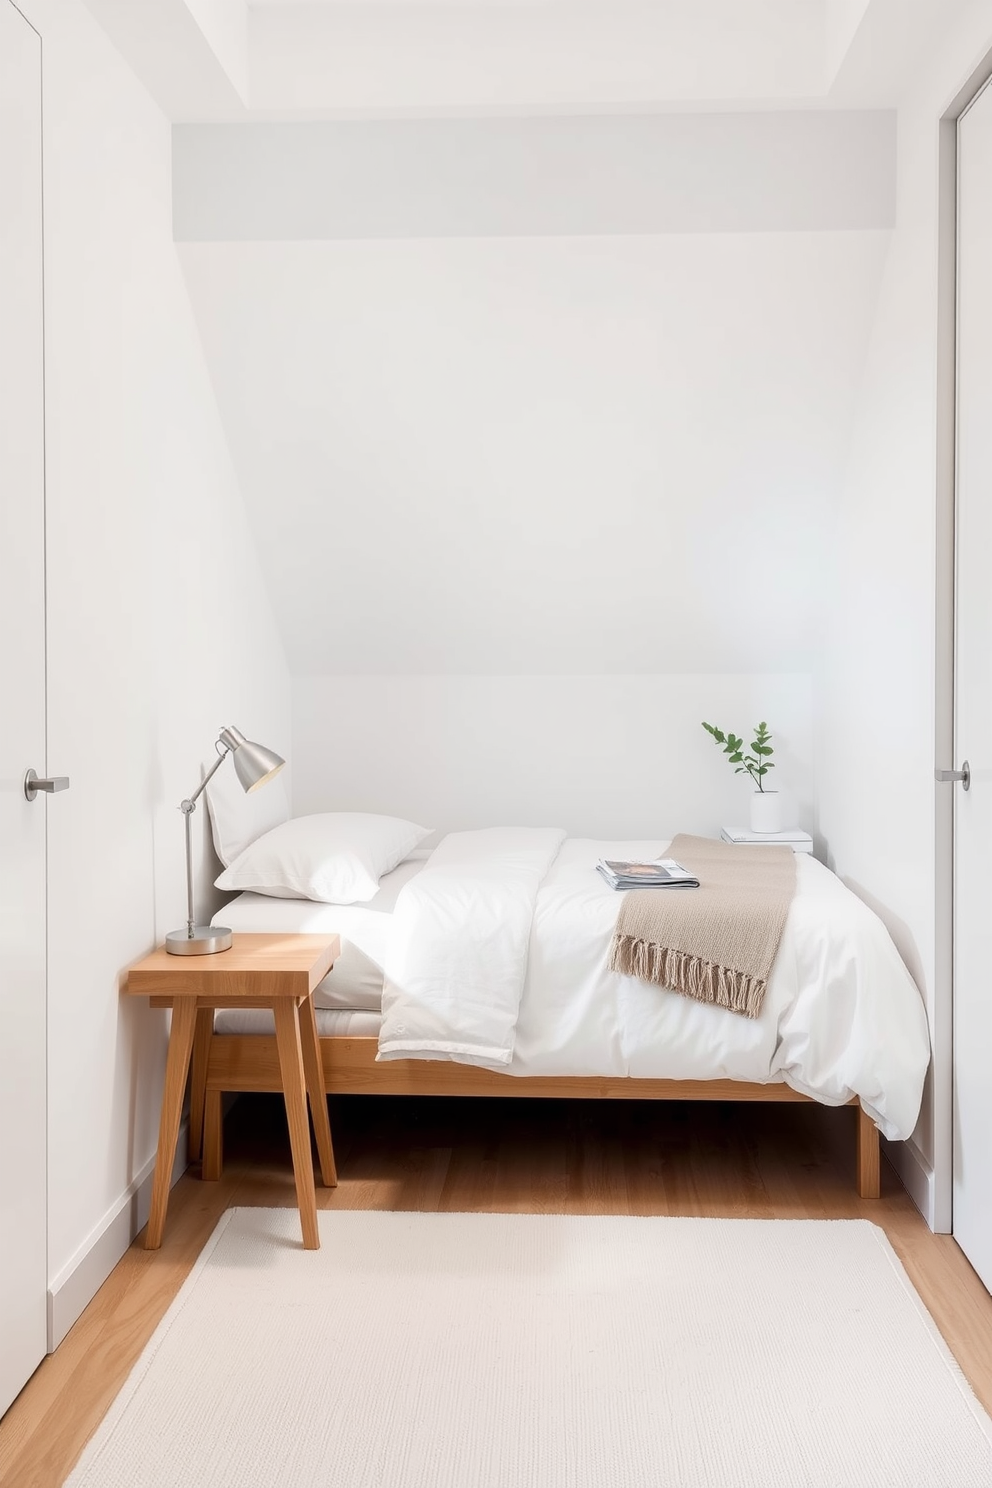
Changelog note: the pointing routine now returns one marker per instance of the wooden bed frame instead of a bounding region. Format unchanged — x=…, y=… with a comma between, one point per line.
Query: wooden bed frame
x=249, y=1062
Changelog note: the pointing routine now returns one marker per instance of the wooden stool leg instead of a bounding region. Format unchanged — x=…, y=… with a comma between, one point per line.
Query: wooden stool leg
x=314, y=1071
x=198, y=1079
x=294, y=1091
x=213, y=1137
x=869, y=1157
x=176, y=1069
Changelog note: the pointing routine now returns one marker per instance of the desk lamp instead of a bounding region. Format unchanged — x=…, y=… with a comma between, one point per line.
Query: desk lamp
x=254, y=765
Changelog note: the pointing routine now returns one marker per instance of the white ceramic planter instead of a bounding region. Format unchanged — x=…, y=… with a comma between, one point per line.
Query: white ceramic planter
x=766, y=812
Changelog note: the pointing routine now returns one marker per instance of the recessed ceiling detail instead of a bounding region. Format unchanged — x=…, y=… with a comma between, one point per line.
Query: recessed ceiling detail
x=282, y=59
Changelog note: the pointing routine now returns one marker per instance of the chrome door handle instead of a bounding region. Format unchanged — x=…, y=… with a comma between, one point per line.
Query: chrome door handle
x=32, y=784
x=964, y=775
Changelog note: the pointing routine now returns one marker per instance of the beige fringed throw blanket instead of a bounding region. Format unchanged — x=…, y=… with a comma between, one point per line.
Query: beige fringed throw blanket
x=715, y=943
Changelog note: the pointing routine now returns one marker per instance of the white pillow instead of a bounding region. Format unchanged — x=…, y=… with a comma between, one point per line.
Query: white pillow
x=237, y=816
x=355, y=980
x=336, y=857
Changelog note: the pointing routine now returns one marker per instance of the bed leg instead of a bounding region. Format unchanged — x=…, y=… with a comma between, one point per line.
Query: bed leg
x=213, y=1129
x=869, y=1157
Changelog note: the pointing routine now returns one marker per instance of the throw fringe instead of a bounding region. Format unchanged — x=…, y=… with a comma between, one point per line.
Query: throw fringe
x=690, y=975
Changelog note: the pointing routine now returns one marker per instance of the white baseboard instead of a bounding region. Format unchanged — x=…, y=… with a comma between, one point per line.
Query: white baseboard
x=916, y=1175
x=79, y=1281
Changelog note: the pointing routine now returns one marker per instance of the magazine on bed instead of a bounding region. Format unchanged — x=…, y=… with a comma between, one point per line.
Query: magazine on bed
x=662, y=873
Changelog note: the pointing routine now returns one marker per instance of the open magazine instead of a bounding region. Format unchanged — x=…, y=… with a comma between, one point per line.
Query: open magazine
x=662, y=873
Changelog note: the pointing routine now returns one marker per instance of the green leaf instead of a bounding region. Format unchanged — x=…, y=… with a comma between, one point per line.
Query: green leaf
x=755, y=764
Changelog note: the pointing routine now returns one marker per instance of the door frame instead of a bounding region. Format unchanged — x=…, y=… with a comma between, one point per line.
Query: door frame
x=42, y=731
x=945, y=641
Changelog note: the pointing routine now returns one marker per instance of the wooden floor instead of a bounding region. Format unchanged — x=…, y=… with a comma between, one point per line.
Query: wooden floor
x=576, y=1157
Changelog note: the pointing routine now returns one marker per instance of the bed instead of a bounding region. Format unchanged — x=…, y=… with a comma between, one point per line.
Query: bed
x=842, y=1023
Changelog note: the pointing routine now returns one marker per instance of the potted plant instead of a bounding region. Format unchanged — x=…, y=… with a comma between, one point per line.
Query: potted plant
x=766, y=807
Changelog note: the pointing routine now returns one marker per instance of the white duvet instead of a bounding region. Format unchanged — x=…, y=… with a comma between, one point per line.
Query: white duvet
x=499, y=956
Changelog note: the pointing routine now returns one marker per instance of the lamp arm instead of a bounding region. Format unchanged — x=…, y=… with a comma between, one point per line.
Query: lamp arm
x=222, y=756
x=187, y=808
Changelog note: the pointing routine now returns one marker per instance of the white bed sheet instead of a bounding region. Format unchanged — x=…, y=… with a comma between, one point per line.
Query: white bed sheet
x=355, y=980
x=339, y=1022
x=842, y=1017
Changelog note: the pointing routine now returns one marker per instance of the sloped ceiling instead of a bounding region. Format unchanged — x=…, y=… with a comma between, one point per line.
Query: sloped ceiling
x=541, y=455
x=600, y=425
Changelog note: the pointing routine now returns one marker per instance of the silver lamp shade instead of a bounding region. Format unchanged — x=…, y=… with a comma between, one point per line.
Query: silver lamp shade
x=253, y=763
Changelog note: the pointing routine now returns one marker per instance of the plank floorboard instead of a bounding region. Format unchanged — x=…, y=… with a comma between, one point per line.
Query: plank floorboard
x=582, y=1157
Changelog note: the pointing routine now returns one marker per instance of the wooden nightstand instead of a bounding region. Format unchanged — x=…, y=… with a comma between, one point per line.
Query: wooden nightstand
x=275, y=971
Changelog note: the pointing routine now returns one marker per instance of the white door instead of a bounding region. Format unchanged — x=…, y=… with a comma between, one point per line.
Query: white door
x=23, y=1217
x=972, y=1199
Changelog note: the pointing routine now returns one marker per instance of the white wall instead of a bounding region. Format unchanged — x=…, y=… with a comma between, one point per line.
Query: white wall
x=600, y=756
x=551, y=464
x=877, y=723
x=541, y=455
x=595, y=175
x=160, y=629
x=517, y=459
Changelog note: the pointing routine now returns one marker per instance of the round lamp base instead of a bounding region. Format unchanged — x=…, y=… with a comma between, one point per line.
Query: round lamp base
x=205, y=940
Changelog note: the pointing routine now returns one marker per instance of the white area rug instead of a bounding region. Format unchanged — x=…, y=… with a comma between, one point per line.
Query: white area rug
x=543, y=1351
